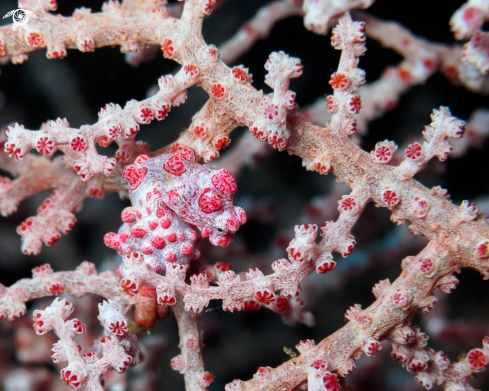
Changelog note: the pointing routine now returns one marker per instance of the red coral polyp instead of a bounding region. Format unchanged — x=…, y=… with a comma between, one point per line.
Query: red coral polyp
x=118, y=328
x=264, y=296
x=477, y=359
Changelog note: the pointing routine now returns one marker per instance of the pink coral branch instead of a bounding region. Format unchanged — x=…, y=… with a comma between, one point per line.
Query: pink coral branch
x=275, y=107
x=476, y=51
x=422, y=59
x=321, y=15
x=477, y=129
x=232, y=288
x=53, y=219
x=35, y=175
x=258, y=27
x=55, y=215
x=469, y=18
x=86, y=31
x=84, y=372
x=189, y=362
x=47, y=283
x=247, y=152
x=444, y=126
x=412, y=290
x=210, y=129
x=409, y=348
x=291, y=309
x=113, y=122
x=466, y=23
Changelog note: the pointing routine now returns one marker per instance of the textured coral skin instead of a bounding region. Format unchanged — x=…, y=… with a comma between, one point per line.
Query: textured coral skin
x=172, y=194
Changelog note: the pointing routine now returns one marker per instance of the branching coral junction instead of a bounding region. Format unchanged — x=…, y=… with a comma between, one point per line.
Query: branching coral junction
x=85, y=371
x=173, y=194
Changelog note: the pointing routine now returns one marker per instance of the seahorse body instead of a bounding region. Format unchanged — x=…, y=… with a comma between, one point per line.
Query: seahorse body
x=171, y=195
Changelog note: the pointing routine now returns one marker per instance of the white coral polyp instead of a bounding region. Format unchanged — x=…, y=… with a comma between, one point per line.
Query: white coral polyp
x=110, y=316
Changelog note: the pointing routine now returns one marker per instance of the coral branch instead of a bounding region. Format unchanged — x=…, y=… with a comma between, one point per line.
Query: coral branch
x=477, y=129
x=210, y=128
x=47, y=283
x=86, y=31
x=247, y=152
x=456, y=375
x=190, y=362
x=320, y=15
x=258, y=28
x=232, y=289
x=409, y=348
x=114, y=122
x=444, y=126
x=476, y=51
x=467, y=22
x=365, y=328
x=35, y=174
x=275, y=107
x=469, y=18
x=84, y=372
